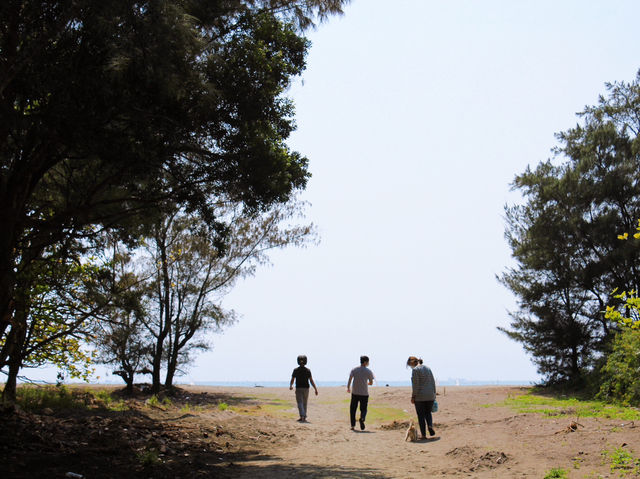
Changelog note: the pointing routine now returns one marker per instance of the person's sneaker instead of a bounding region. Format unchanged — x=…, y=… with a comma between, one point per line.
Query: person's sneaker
x=361, y=424
x=432, y=432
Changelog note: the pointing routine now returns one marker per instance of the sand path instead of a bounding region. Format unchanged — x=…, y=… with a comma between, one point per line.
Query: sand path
x=472, y=440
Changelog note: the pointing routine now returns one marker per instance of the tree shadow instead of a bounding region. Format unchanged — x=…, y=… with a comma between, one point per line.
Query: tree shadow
x=267, y=471
x=180, y=396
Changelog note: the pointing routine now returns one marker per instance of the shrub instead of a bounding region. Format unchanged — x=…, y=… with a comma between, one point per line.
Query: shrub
x=621, y=372
x=556, y=473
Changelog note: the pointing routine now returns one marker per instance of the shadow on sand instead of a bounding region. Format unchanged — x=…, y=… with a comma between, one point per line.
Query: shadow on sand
x=429, y=439
x=307, y=471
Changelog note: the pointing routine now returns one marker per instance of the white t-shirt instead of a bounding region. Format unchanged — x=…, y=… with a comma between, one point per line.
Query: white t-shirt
x=361, y=376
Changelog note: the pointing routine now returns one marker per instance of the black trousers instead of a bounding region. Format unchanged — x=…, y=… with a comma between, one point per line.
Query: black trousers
x=364, y=401
x=423, y=409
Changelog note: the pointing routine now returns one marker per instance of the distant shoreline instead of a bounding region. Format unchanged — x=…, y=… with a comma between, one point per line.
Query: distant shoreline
x=282, y=384
x=380, y=383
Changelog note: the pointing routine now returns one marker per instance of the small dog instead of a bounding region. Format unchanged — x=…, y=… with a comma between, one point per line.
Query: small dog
x=412, y=433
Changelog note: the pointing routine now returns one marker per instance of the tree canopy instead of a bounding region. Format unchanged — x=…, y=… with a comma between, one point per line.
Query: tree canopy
x=108, y=109
x=563, y=237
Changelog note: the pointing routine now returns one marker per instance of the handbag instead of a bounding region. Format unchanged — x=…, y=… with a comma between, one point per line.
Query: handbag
x=434, y=408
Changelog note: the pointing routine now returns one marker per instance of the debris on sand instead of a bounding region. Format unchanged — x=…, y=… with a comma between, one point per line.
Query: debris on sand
x=573, y=427
x=468, y=457
x=489, y=460
x=395, y=425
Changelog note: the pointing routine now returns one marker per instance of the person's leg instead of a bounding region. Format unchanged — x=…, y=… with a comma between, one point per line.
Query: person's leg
x=364, y=402
x=301, y=409
x=305, y=400
x=421, y=412
x=429, y=417
x=352, y=410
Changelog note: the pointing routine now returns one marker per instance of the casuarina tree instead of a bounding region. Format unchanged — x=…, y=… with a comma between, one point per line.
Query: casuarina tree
x=109, y=108
x=568, y=259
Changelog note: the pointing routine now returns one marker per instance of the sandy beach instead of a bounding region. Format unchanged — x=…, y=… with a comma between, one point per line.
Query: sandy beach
x=224, y=432
x=477, y=436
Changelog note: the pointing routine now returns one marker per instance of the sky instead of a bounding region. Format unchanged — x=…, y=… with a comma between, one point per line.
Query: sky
x=416, y=115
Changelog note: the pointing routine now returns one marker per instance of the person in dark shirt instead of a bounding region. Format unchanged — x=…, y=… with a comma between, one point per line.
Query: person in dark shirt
x=302, y=376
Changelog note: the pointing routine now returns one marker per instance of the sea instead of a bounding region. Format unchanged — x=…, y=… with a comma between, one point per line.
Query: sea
x=282, y=384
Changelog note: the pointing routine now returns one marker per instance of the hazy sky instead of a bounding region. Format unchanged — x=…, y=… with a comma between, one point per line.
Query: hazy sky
x=416, y=115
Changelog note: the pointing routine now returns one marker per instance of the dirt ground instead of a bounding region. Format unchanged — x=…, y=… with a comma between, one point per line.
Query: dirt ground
x=253, y=433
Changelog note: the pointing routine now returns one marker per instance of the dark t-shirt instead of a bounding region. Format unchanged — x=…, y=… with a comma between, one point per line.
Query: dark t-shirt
x=302, y=375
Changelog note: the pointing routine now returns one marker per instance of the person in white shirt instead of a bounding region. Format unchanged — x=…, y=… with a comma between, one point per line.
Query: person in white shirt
x=362, y=378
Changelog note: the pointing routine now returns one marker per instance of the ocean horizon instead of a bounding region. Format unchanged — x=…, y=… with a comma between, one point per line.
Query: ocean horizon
x=378, y=383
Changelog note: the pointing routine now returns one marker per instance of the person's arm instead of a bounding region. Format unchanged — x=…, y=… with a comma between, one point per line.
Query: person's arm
x=371, y=378
x=349, y=383
x=291, y=383
x=313, y=384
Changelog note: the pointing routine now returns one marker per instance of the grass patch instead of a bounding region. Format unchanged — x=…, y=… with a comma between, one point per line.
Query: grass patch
x=187, y=408
x=148, y=458
x=567, y=407
x=273, y=407
x=380, y=414
x=556, y=473
x=621, y=461
x=104, y=399
x=153, y=401
x=37, y=398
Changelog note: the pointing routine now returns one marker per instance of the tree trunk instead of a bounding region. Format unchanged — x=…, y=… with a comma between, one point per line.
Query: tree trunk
x=165, y=320
x=10, y=387
x=156, y=365
x=172, y=364
x=7, y=304
x=15, y=340
x=129, y=384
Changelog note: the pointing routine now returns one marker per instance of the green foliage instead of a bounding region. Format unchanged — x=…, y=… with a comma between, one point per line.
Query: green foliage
x=567, y=259
x=223, y=406
x=149, y=457
x=621, y=373
x=179, y=280
x=37, y=398
x=556, y=473
x=626, y=312
x=58, y=301
x=113, y=110
x=622, y=461
x=120, y=340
